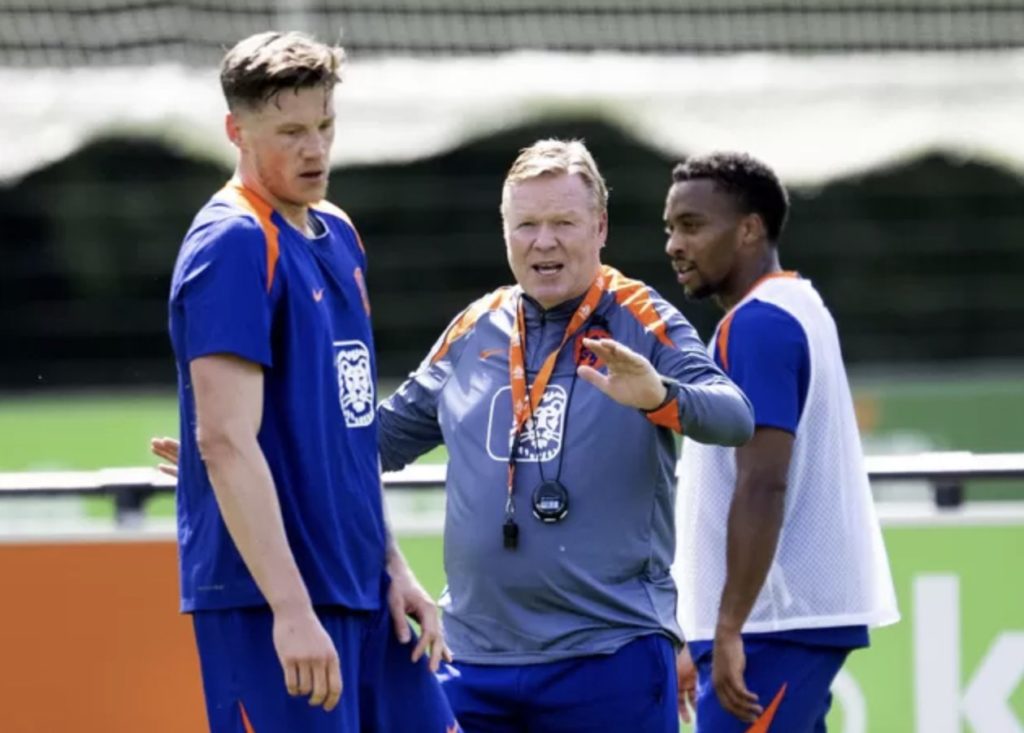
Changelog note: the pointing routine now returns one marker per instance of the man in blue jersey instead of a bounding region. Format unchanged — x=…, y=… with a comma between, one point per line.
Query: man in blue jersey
x=781, y=566
x=286, y=564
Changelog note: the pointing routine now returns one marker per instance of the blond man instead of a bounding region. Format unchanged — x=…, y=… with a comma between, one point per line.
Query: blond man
x=557, y=399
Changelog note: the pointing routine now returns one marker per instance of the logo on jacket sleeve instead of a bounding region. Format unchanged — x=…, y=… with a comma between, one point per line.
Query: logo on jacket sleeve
x=355, y=382
x=583, y=355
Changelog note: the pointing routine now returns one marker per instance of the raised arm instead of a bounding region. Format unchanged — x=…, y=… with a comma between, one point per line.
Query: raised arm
x=711, y=408
x=669, y=375
x=408, y=419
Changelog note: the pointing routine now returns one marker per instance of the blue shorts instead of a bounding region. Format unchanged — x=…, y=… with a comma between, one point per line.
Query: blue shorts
x=632, y=690
x=806, y=671
x=382, y=689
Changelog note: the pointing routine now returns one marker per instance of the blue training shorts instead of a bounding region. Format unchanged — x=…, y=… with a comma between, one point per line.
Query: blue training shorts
x=630, y=691
x=806, y=671
x=383, y=691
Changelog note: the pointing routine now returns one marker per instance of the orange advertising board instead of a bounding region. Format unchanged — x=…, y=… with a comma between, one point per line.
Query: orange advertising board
x=92, y=641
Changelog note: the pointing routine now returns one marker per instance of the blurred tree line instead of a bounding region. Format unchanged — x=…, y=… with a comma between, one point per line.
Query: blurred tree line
x=919, y=263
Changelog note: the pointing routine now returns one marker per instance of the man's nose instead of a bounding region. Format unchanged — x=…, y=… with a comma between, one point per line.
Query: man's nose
x=546, y=237
x=315, y=146
x=674, y=245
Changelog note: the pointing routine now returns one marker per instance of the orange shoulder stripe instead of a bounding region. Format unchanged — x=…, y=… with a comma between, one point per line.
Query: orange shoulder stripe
x=635, y=297
x=465, y=321
x=722, y=342
x=328, y=208
x=237, y=194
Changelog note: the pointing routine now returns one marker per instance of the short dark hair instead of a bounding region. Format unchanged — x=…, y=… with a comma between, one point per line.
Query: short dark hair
x=753, y=185
x=260, y=66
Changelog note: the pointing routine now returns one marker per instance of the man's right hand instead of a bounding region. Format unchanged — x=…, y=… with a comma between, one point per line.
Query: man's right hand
x=308, y=657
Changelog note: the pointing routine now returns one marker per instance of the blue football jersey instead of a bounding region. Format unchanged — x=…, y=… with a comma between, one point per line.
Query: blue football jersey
x=249, y=284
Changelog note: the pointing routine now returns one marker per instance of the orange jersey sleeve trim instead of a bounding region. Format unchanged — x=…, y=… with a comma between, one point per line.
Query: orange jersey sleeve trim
x=635, y=297
x=667, y=416
x=247, y=200
x=328, y=208
x=469, y=317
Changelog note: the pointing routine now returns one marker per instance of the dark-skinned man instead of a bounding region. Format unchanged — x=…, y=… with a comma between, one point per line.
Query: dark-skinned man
x=780, y=561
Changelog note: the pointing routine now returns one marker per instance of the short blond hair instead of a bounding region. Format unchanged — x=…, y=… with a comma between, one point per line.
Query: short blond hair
x=553, y=157
x=260, y=66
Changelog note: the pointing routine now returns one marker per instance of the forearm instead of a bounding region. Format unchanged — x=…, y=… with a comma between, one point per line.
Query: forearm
x=405, y=434
x=715, y=412
x=394, y=560
x=755, y=521
x=249, y=505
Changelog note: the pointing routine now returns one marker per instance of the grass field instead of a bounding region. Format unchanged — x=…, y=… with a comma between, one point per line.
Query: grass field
x=86, y=431
x=79, y=431
x=923, y=412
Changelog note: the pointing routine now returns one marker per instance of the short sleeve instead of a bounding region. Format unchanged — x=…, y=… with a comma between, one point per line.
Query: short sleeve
x=767, y=356
x=222, y=292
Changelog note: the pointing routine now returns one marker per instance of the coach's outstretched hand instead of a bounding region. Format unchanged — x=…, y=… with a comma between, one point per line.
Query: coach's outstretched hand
x=407, y=599
x=167, y=449
x=631, y=379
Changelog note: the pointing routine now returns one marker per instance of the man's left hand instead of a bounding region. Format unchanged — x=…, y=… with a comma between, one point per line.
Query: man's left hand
x=168, y=449
x=686, y=676
x=407, y=599
x=631, y=379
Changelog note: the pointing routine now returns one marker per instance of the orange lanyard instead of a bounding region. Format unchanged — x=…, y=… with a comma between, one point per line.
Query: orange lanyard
x=523, y=406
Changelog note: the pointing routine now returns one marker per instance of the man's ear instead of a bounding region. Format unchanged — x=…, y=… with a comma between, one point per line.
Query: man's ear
x=752, y=229
x=233, y=129
x=602, y=228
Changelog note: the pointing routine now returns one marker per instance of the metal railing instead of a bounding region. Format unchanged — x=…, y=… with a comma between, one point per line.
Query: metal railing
x=131, y=488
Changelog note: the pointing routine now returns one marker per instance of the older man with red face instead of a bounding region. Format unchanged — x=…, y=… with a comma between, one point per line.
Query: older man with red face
x=557, y=399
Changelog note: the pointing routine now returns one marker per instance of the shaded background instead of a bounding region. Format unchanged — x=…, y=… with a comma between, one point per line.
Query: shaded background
x=920, y=263
x=907, y=210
